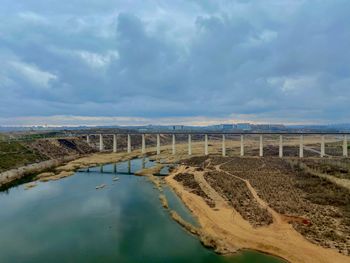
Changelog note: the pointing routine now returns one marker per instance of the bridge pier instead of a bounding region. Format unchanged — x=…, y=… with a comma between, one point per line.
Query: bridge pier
x=345, y=146
x=261, y=147
x=242, y=145
x=101, y=143
x=173, y=146
x=143, y=147
x=223, y=146
x=301, y=147
x=114, y=143
x=206, y=144
x=281, y=147
x=189, y=145
x=158, y=144
x=323, y=147
x=129, y=143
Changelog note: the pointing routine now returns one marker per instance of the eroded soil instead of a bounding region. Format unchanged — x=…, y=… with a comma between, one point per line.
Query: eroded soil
x=188, y=180
x=237, y=193
x=316, y=208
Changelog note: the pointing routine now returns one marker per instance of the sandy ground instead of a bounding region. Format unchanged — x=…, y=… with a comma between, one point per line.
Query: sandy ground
x=229, y=229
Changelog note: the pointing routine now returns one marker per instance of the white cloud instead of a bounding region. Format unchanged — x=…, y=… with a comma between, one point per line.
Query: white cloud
x=32, y=17
x=92, y=59
x=294, y=84
x=33, y=74
x=96, y=60
x=263, y=37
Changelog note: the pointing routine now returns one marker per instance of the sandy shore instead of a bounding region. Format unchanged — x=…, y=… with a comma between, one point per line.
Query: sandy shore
x=232, y=232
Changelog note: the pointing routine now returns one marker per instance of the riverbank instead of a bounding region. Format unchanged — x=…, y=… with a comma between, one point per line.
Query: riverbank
x=11, y=176
x=233, y=230
x=20, y=160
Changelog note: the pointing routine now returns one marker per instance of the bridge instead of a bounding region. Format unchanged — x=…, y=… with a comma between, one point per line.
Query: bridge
x=223, y=135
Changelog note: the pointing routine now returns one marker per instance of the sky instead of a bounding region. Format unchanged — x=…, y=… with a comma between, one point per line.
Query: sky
x=123, y=62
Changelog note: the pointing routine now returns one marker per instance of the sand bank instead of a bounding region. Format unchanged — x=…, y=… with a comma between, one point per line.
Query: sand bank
x=231, y=232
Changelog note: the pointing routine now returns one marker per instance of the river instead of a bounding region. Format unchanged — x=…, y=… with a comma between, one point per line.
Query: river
x=70, y=221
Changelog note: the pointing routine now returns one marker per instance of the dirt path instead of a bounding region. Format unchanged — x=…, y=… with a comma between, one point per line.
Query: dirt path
x=233, y=232
x=217, y=198
x=314, y=151
x=277, y=218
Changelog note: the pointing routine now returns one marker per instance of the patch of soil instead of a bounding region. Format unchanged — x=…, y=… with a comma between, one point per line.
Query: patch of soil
x=324, y=206
x=336, y=167
x=188, y=181
x=237, y=193
x=57, y=148
x=196, y=161
x=273, y=151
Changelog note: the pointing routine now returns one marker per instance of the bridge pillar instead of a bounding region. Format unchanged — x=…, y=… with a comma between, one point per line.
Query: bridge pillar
x=323, y=148
x=223, y=145
x=242, y=145
x=129, y=143
x=174, y=147
x=261, y=148
x=189, y=145
x=206, y=144
x=114, y=143
x=101, y=143
x=143, y=147
x=129, y=167
x=281, y=147
x=301, y=147
x=158, y=144
x=345, y=146
x=88, y=139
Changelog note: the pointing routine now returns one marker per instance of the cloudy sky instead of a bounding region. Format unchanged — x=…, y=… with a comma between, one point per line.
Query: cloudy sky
x=171, y=61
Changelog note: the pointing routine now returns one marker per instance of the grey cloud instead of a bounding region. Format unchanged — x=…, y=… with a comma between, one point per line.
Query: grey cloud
x=264, y=60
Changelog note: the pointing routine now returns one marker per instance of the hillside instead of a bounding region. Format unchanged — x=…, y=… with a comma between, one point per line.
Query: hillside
x=14, y=154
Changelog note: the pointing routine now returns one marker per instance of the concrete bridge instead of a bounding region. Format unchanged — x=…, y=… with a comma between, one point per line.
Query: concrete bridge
x=223, y=135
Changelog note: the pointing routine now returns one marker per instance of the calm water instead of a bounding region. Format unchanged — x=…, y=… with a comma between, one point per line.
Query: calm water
x=70, y=221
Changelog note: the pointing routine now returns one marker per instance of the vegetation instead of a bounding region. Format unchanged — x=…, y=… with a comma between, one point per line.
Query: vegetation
x=3, y=137
x=15, y=154
x=35, y=136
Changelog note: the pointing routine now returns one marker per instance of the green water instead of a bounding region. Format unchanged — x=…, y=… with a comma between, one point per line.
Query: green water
x=70, y=221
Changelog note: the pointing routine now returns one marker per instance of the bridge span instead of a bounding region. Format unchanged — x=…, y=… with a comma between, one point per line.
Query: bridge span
x=223, y=135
